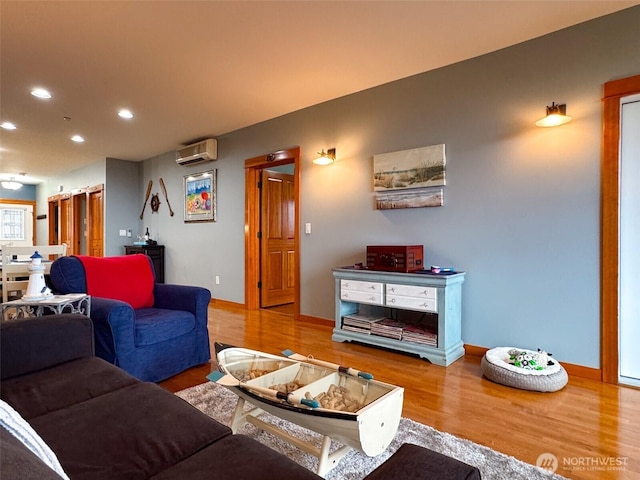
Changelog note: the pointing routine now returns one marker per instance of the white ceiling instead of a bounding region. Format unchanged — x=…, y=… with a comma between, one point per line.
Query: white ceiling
x=194, y=69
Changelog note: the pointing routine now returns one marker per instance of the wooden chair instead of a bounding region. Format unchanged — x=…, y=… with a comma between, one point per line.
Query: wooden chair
x=15, y=266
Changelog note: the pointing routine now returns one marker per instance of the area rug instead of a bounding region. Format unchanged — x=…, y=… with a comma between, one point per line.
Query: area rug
x=219, y=403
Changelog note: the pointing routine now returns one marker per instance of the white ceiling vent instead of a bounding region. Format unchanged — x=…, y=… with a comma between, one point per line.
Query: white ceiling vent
x=200, y=152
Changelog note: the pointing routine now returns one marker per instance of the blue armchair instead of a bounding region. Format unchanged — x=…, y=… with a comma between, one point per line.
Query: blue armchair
x=151, y=330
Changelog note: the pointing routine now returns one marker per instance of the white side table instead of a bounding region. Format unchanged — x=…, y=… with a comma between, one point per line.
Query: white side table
x=70, y=303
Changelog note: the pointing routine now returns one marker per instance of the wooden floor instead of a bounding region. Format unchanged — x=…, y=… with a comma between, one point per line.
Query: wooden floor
x=593, y=429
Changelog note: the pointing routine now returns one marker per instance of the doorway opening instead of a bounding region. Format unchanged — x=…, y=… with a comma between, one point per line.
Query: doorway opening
x=272, y=225
x=610, y=255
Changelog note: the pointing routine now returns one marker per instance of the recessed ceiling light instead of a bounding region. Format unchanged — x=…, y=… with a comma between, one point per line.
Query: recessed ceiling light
x=125, y=113
x=77, y=138
x=40, y=93
x=8, y=126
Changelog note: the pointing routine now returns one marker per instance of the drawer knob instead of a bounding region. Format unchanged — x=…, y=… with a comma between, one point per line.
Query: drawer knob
x=392, y=300
x=373, y=299
x=372, y=287
x=392, y=289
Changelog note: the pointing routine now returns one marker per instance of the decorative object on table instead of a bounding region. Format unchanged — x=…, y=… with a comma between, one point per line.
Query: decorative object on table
x=155, y=203
x=37, y=288
x=166, y=197
x=395, y=258
x=146, y=198
x=524, y=369
x=145, y=239
x=438, y=269
x=200, y=197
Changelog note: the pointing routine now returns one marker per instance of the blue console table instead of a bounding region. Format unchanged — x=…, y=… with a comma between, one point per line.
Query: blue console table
x=377, y=293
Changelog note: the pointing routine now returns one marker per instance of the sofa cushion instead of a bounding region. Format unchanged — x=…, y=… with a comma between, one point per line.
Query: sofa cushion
x=132, y=433
x=19, y=428
x=154, y=325
x=128, y=278
x=30, y=346
x=413, y=461
x=236, y=456
x=58, y=387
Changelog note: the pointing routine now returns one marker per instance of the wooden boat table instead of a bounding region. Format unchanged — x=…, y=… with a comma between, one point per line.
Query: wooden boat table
x=370, y=429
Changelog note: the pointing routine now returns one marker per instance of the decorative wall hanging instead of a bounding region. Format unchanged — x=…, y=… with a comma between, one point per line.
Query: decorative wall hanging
x=155, y=203
x=415, y=168
x=200, y=197
x=419, y=197
x=146, y=198
x=166, y=197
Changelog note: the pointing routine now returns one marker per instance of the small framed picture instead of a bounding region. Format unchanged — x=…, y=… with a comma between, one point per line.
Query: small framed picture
x=200, y=197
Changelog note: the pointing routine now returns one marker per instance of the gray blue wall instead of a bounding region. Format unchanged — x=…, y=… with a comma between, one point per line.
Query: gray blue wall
x=521, y=211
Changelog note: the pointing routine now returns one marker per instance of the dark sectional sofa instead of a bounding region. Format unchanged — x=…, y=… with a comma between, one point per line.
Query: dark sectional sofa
x=102, y=423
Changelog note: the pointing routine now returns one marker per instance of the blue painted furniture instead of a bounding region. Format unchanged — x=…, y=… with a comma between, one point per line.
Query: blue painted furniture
x=152, y=343
x=375, y=293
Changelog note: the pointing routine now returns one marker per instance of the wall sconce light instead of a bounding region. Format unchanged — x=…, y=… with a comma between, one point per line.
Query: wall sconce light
x=11, y=184
x=556, y=115
x=326, y=158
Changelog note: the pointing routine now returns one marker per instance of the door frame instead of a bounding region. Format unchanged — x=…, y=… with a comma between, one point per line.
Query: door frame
x=609, y=224
x=253, y=168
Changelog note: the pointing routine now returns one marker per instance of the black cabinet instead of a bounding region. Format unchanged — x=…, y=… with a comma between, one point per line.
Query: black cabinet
x=156, y=252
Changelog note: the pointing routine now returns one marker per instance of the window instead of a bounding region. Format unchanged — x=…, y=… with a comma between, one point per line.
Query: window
x=16, y=224
x=12, y=224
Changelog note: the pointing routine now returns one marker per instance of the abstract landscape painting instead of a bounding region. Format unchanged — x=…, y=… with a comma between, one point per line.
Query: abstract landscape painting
x=415, y=168
x=410, y=199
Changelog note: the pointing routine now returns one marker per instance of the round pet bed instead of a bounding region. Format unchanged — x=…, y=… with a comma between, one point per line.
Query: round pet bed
x=496, y=367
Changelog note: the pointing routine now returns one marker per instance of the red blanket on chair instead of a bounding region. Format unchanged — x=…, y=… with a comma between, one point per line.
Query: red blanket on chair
x=128, y=278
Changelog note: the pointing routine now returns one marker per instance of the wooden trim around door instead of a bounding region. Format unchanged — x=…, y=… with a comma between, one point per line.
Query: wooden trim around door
x=609, y=224
x=253, y=168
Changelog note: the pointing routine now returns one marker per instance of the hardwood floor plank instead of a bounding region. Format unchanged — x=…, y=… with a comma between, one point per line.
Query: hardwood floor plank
x=585, y=425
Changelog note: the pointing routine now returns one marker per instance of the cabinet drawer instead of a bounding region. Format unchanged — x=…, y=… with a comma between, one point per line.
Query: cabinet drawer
x=361, y=297
x=360, y=286
x=411, y=291
x=412, y=303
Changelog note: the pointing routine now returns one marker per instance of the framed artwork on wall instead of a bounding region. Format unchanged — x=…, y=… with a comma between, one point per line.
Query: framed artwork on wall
x=415, y=168
x=200, y=197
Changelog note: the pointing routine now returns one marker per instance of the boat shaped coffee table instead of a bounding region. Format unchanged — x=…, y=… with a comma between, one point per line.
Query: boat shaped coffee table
x=367, y=418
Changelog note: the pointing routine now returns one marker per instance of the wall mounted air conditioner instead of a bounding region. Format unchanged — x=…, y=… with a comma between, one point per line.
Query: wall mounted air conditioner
x=200, y=152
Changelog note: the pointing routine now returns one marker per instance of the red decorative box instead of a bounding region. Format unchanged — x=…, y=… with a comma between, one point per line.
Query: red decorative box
x=395, y=258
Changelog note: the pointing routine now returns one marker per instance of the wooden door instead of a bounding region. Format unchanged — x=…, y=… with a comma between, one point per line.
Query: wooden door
x=277, y=239
x=53, y=212
x=65, y=218
x=95, y=209
x=79, y=223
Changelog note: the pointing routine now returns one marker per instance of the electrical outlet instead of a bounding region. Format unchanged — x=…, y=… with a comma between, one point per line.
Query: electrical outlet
x=123, y=233
x=307, y=228
x=217, y=280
